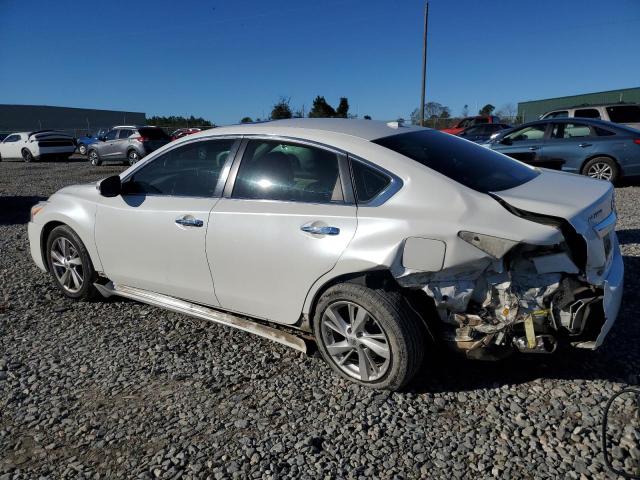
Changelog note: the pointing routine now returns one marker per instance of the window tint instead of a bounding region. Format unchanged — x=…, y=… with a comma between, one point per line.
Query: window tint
x=274, y=170
x=533, y=132
x=474, y=166
x=369, y=182
x=624, y=113
x=125, y=133
x=111, y=135
x=570, y=130
x=153, y=133
x=191, y=170
x=587, y=113
x=12, y=138
x=467, y=122
x=602, y=132
x=559, y=114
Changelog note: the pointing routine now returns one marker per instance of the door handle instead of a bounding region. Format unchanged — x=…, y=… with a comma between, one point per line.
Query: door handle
x=584, y=145
x=533, y=148
x=318, y=230
x=189, y=221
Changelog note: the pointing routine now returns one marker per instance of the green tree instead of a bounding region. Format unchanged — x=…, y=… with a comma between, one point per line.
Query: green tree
x=486, y=110
x=343, y=108
x=246, y=120
x=175, y=121
x=432, y=111
x=321, y=109
x=281, y=110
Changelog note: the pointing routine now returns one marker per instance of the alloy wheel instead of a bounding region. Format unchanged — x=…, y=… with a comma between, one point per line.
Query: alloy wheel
x=133, y=157
x=93, y=158
x=601, y=171
x=355, y=341
x=67, y=264
x=82, y=149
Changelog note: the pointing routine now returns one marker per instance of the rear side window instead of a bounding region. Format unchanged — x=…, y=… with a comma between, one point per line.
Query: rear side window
x=602, y=132
x=570, y=130
x=471, y=165
x=587, y=113
x=153, y=133
x=368, y=182
x=125, y=133
x=559, y=114
x=624, y=113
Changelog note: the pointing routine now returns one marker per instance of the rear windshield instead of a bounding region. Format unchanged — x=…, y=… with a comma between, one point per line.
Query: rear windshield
x=473, y=166
x=153, y=133
x=624, y=114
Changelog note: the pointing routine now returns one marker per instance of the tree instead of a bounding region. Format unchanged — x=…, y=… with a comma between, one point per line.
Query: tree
x=507, y=112
x=432, y=110
x=178, y=121
x=367, y=117
x=321, y=109
x=465, y=110
x=486, y=110
x=281, y=110
x=246, y=120
x=343, y=108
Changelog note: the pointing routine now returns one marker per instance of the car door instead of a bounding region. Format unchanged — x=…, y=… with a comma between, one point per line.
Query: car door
x=106, y=149
x=286, y=216
x=10, y=146
x=122, y=143
x=569, y=145
x=153, y=235
x=524, y=144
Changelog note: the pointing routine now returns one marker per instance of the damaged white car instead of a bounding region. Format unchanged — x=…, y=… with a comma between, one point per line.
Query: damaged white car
x=364, y=238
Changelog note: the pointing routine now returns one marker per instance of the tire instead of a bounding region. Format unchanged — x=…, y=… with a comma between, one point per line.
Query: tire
x=389, y=324
x=94, y=158
x=70, y=265
x=27, y=156
x=133, y=157
x=602, y=168
x=82, y=149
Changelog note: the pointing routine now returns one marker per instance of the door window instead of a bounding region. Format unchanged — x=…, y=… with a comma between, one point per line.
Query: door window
x=12, y=138
x=111, y=135
x=191, y=170
x=587, y=113
x=125, y=133
x=558, y=114
x=570, y=130
x=273, y=170
x=533, y=132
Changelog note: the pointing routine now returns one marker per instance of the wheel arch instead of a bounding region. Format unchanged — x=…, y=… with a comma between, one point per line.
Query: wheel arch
x=602, y=155
x=85, y=235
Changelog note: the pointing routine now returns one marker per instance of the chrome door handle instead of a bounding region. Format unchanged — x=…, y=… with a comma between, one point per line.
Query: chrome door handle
x=318, y=230
x=533, y=148
x=584, y=145
x=189, y=221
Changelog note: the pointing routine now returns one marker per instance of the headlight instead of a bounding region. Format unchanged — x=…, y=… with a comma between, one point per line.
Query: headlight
x=37, y=208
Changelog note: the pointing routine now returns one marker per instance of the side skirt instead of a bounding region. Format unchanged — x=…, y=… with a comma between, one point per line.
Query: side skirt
x=205, y=313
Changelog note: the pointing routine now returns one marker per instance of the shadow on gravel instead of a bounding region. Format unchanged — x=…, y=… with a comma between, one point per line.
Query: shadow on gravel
x=631, y=235
x=16, y=210
x=617, y=360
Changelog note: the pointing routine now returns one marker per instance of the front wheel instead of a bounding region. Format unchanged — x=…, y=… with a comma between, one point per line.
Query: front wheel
x=82, y=149
x=368, y=336
x=602, y=168
x=94, y=158
x=133, y=157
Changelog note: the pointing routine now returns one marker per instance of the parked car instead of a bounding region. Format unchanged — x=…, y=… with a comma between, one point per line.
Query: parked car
x=369, y=238
x=624, y=113
x=128, y=143
x=183, y=132
x=39, y=145
x=602, y=150
x=482, y=133
x=89, y=139
x=469, y=122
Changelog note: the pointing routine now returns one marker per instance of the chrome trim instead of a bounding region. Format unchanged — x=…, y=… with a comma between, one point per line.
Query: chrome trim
x=189, y=222
x=320, y=230
x=394, y=186
x=205, y=313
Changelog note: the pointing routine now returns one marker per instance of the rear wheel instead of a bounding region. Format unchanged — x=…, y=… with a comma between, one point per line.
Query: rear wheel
x=369, y=336
x=94, y=158
x=602, y=168
x=27, y=156
x=133, y=157
x=70, y=264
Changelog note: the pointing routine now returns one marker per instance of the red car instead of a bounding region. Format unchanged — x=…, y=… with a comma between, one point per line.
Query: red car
x=469, y=122
x=183, y=132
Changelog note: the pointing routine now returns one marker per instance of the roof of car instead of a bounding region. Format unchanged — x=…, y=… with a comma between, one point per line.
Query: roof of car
x=588, y=105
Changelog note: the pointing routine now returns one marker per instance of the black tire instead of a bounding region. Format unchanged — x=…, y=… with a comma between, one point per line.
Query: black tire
x=27, y=156
x=87, y=273
x=133, y=157
x=82, y=149
x=402, y=333
x=602, y=168
x=94, y=158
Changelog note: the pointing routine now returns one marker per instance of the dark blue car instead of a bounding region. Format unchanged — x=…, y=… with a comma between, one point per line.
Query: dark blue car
x=595, y=148
x=84, y=142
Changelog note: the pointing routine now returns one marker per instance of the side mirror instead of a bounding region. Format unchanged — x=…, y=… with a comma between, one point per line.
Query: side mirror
x=110, y=186
x=506, y=141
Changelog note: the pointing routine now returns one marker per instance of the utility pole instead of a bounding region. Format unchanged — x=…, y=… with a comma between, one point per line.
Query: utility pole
x=424, y=62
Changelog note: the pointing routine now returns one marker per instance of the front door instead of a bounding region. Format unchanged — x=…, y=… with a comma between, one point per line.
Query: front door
x=524, y=144
x=153, y=235
x=121, y=145
x=10, y=147
x=282, y=224
x=106, y=149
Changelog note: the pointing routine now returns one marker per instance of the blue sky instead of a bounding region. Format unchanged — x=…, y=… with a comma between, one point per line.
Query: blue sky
x=226, y=59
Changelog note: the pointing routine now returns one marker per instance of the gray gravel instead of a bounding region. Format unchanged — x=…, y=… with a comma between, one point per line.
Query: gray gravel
x=119, y=389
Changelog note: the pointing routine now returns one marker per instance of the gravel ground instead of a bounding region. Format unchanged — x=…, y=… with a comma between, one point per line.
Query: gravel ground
x=120, y=389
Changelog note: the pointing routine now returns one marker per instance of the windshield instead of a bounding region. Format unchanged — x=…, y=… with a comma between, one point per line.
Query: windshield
x=473, y=166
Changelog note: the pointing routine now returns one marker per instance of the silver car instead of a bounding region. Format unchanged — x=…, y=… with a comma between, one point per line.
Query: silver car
x=126, y=143
x=364, y=239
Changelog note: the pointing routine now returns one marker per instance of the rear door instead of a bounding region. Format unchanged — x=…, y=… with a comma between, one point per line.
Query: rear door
x=569, y=145
x=121, y=145
x=524, y=144
x=283, y=222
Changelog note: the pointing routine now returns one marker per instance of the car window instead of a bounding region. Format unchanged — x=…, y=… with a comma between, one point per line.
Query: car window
x=624, y=113
x=527, y=134
x=12, y=139
x=587, y=113
x=480, y=120
x=125, y=133
x=368, y=182
x=191, y=170
x=465, y=123
x=273, y=170
x=603, y=132
x=558, y=114
x=111, y=135
x=469, y=164
x=570, y=130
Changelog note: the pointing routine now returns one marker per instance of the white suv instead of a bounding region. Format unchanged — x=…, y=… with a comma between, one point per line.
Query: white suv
x=624, y=113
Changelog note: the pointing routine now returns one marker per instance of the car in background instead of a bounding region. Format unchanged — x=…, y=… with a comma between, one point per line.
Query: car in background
x=89, y=139
x=623, y=113
x=3, y=136
x=40, y=145
x=470, y=122
x=183, y=132
x=595, y=148
x=482, y=133
x=127, y=143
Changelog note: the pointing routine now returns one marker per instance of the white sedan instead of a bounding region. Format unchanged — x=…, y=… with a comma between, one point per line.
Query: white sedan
x=368, y=239
x=30, y=146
